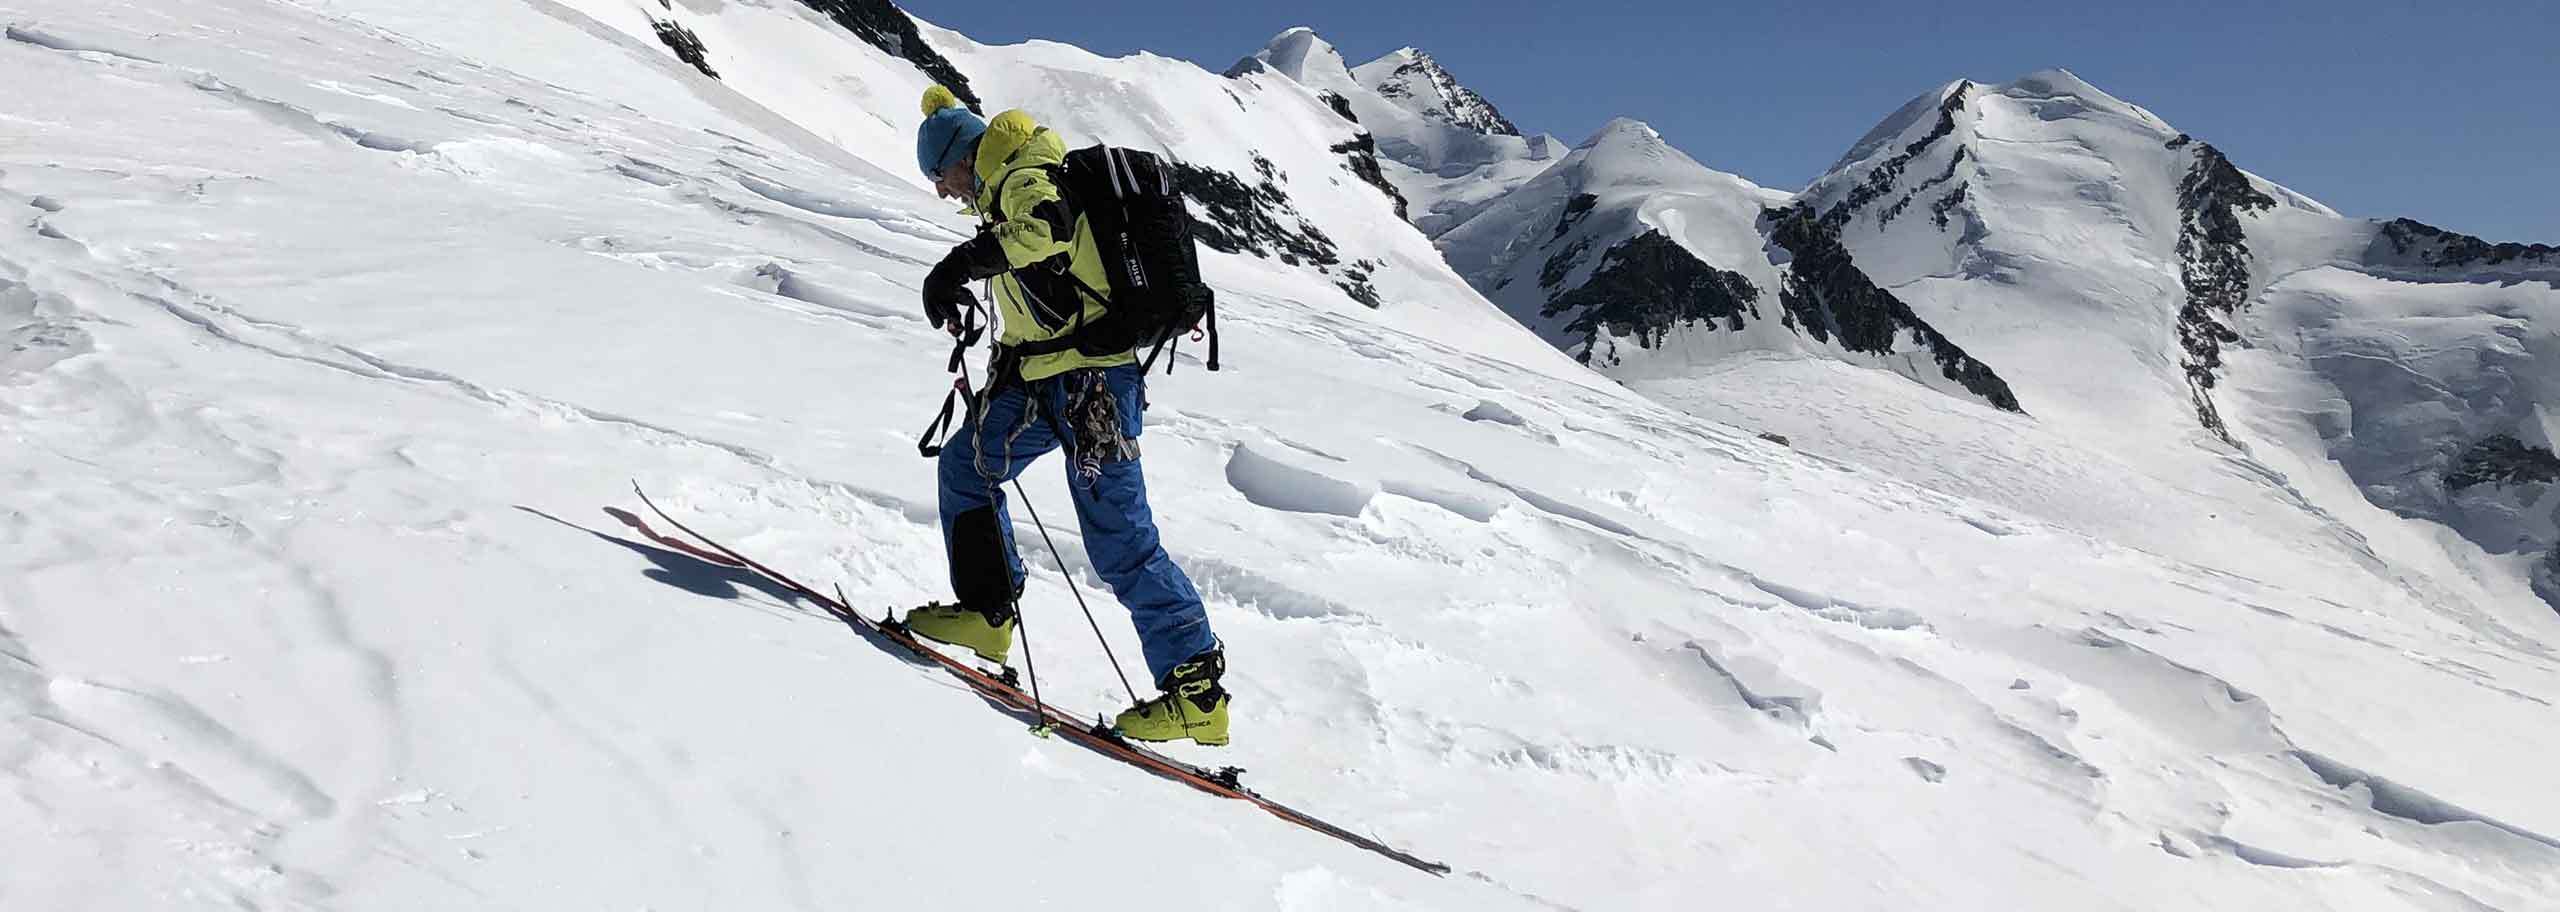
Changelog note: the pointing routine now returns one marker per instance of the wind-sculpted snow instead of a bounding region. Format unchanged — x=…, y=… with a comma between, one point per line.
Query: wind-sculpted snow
x=313, y=592
x=1279, y=485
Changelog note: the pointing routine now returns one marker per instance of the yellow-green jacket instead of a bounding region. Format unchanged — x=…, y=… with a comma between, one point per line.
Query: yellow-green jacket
x=1045, y=249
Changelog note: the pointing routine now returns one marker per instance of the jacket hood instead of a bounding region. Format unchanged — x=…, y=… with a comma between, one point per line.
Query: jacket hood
x=1013, y=141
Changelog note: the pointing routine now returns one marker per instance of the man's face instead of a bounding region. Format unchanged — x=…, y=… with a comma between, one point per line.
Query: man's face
x=957, y=182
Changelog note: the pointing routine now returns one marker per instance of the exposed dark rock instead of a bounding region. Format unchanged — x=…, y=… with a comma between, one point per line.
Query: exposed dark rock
x=1939, y=210
x=686, y=44
x=1244, y=218
x=1231, y=216
x=1360, y=154
x=1340, y=105
x=887, y=27
x=1423, y=78
x=2213, y=258
x=1561, y=263
x=1827, y=295
x=2504, y=461
x=1355, y=282
x=2448, y=250
x=1648, y=285
x=1574, y=211
x=1881, y=180
x=2546, y=578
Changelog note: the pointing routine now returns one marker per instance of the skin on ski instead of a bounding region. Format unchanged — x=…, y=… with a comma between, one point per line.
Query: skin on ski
x=690, y=549
x=1096, y=738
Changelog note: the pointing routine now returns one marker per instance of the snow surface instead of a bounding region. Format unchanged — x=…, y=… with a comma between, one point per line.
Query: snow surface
x=336, y=328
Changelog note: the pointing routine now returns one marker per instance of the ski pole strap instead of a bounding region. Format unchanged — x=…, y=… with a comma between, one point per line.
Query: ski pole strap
x=972, y=328
x=930, y=445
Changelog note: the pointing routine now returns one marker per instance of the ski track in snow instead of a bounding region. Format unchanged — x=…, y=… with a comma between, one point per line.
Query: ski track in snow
x=241, y=428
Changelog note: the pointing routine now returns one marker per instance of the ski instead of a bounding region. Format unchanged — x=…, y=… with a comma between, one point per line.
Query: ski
x=1002, y=692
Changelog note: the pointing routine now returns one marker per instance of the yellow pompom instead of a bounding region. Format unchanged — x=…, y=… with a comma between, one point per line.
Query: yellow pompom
x=938, y=98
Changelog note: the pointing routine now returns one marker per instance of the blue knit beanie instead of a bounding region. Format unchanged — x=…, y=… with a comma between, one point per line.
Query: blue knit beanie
x=950, y=131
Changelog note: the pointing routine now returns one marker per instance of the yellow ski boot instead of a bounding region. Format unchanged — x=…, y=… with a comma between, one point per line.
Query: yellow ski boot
x=988, y=634
x=1192, y=706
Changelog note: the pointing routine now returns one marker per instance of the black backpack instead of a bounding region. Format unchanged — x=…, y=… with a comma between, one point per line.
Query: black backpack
x=1134, y=207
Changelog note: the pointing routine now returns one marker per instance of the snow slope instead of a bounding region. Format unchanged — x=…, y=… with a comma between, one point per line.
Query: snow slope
x=335, y=327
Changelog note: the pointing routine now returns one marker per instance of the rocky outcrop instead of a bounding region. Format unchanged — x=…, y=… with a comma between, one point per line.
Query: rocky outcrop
x=686, y=44
x=1420, y=84
x=2440, y=249
x=1254, y=218
x=1258, y=218
x=1575, y=210
x=1880, y=182
x=1937, y=210
x=883, y=25
x=2505, y=461
x=1826, y=296
x=1561, y=264
x=2509, y=476
x=1647, y=286
x=1334, y=100
x=1360, y=157
x=2213, y=263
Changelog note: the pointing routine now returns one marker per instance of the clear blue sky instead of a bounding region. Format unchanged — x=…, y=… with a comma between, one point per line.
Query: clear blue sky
x=2447, y=112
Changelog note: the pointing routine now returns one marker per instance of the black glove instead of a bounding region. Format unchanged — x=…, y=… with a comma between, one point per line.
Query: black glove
x=946, y=288
x=946, y=294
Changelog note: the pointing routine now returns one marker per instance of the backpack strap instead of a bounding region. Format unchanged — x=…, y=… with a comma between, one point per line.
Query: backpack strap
x=1208, y=328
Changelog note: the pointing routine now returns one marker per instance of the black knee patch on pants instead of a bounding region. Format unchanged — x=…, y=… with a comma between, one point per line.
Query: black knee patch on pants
x=980, y=576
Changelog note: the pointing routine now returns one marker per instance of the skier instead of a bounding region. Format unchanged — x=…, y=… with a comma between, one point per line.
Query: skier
x=1045, y=267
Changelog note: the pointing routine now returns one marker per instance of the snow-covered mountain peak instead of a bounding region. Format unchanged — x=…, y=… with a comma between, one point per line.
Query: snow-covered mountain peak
x=2135, y=282
x=1627, y=152
x=1622, y=130
x=1445, y=166
x=1302, y=55
x=1917, y=114
x=2044, y=106
x=2061, y=85
x=1650, y=266
x=1413, y=80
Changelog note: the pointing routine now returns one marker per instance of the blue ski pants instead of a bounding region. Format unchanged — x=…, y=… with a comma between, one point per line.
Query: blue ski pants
x=1095, y=415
